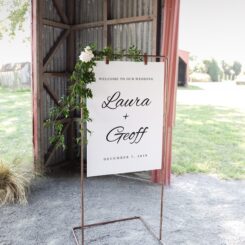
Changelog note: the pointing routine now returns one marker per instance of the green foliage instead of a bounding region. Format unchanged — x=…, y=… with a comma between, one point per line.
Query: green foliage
x=231, y=70
x=135, y=54
x=132, y=53
x=226, y=68
x=237, y=67
x=212, y=69
x=14, y=14
x=196, y=65
x=17, y=15
x=79, y=92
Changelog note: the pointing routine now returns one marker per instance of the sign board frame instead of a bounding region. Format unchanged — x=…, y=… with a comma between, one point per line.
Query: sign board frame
x=84, y=226
x=126, y=112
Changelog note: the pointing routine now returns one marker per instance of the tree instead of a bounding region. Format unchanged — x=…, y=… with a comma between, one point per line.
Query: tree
x=13, y=14
x=212, y=69
x=196, y=65
x=237, y=68
x=231, y=70
x=226, y=69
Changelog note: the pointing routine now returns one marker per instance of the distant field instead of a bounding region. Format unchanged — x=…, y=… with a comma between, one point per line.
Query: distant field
x=15, y=126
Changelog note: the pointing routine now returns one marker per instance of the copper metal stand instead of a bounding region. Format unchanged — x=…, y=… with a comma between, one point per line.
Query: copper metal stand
x=112, y=222
x=83, y=226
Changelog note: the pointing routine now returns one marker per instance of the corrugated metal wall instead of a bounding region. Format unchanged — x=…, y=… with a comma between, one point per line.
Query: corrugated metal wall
x=138, y=34
x=129, y=8
x=120, y=36
x=135, y=30
x=57, y=84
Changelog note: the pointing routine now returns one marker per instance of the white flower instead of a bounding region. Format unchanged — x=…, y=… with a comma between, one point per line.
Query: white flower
x=88, y=49
x=86, y=55
x=90, y=69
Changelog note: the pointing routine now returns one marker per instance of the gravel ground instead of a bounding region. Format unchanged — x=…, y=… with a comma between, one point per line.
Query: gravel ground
x=198, y=209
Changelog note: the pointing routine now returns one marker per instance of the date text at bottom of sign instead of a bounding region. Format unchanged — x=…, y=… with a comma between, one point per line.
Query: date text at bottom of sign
x=125, y=157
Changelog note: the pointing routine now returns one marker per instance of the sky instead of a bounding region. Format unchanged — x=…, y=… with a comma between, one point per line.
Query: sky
x=208, y=28
x=213, y=28
x=12, y=51
x=17, y=49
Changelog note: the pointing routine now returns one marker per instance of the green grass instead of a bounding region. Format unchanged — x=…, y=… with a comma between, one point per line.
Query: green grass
x=206, y=139
x=209, y=140
x=15, y=126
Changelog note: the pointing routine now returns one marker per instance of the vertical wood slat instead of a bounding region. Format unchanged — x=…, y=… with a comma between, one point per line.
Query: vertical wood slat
x=154, y=26
x=37, y=85
x=105, y=26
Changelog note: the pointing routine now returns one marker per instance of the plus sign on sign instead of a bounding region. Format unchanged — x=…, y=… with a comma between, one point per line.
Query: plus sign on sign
x=127, y=118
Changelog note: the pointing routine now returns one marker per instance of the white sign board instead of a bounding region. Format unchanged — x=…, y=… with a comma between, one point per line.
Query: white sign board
x=127, y=118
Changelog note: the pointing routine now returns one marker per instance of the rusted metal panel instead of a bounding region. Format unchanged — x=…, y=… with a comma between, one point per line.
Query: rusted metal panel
x=170, y=49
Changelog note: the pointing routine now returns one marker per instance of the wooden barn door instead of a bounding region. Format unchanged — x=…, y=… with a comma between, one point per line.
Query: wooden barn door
x=53, y=54
x=60, y=29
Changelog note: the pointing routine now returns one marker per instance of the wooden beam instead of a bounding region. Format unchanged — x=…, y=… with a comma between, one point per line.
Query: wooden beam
x=60, y=12
x=54, y=49
x=55, y=24
x=37, y=85
x=53, y=147
x=51, y=92
x=170, y=50
x=56, y=74
x=121, y=21
x=154, y=26
x=87, y=25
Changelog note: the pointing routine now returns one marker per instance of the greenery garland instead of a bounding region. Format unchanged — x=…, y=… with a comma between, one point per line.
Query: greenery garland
x=78, y=92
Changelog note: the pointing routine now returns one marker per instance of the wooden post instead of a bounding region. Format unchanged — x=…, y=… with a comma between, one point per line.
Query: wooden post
x=37, y=85
x=154, y=26
x=170, y=50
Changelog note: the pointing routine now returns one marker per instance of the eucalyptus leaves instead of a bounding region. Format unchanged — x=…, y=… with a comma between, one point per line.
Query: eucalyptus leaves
x=79, y=92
